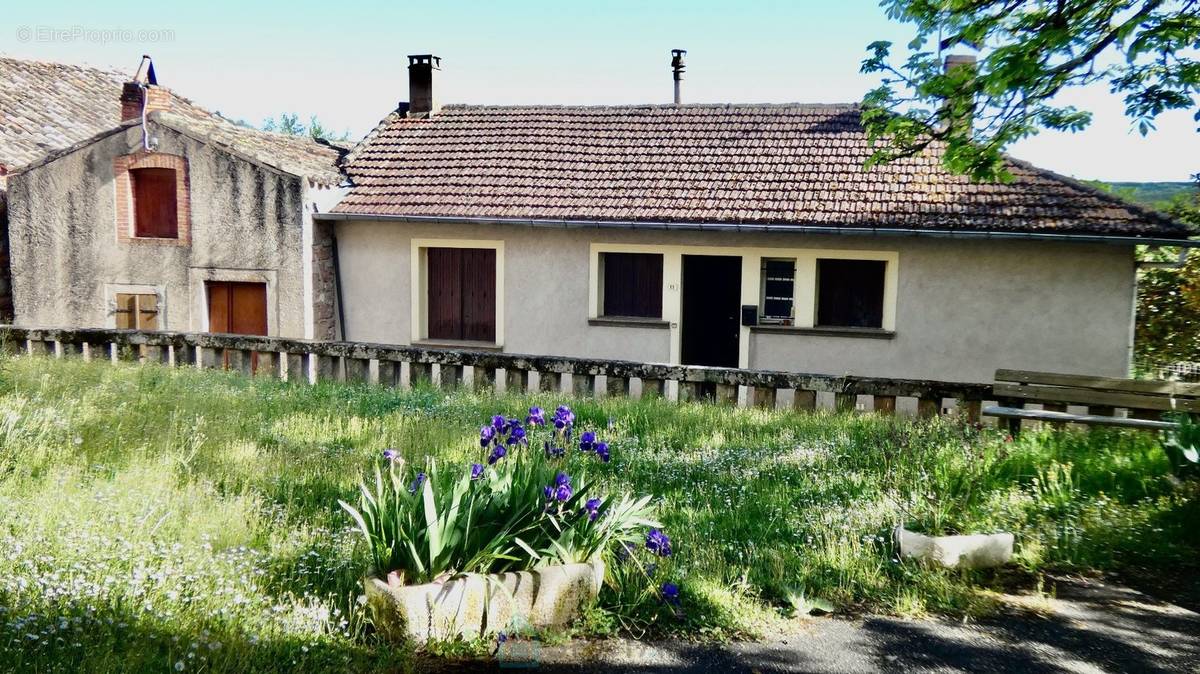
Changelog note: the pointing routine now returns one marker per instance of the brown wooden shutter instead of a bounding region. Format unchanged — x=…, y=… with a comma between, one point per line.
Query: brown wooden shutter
x=461, y=294
x=218, y=306
x=479, y=294
x=126, y=313
x=155, y=205
x=445, y=293
x=147, y=312
x=633, y=284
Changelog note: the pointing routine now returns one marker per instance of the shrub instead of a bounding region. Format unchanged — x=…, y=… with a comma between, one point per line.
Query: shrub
x=515, y=509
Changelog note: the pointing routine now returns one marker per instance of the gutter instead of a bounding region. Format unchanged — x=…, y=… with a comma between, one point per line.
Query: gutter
x=750, y=227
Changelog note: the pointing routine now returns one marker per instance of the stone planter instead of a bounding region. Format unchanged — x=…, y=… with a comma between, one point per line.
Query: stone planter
x=976, y=551
x=474, y=605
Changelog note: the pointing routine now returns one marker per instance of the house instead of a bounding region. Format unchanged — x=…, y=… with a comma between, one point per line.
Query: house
x=724, y=235
x=45, y=107
x=158, y=214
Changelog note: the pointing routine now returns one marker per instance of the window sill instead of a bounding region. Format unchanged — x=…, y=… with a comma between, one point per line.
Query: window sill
x=826, y=331
x=465, y=345
x=629, y=322
x=160, y=240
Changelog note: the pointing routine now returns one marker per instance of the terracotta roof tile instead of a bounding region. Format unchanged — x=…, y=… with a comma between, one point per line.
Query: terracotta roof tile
x=48, y=107
x=769, y=164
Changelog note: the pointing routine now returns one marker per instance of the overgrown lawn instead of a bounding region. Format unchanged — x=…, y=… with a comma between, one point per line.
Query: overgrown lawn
x=161, y=520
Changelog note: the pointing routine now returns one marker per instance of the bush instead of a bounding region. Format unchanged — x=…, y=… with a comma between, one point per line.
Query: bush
x=518, y=510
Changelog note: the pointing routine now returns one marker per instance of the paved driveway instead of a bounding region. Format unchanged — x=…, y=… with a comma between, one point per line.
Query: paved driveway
x=1088, y=627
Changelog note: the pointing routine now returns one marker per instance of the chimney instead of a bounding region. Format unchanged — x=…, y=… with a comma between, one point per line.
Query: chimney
x=677, y=68
x=951, y=63
x=143, y=87
x=421, y=102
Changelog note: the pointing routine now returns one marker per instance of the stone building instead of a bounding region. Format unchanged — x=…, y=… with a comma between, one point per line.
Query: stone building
x=166, y=216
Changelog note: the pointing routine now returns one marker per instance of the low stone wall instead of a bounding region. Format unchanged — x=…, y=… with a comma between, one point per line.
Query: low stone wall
x=315, y=360
x=472, y=605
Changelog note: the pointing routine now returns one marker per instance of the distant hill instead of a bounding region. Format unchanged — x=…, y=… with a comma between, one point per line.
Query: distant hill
x=1149, y=194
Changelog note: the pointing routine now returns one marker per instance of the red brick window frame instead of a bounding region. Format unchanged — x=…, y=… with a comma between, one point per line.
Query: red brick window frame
x=124, y=176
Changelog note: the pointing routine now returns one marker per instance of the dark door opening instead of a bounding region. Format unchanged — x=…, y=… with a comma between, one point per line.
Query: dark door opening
x=712, y=292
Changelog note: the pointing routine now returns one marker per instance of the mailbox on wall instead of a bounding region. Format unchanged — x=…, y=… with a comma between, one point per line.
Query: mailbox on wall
x=750, y=314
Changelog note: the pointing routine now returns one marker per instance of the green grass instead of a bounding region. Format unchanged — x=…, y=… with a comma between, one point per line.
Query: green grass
x=152, y=519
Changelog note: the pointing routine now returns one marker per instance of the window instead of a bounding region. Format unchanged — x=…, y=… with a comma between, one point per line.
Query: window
x=137, y=312
x=778, y=290
x=850, y=293
x=462, y=294
x=632, y=284
x=155, y=210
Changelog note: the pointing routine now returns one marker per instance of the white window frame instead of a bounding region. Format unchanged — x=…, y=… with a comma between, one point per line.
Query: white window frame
x=419, y=285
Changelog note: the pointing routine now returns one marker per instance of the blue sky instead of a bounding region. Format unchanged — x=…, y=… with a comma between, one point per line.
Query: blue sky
x=346, y=63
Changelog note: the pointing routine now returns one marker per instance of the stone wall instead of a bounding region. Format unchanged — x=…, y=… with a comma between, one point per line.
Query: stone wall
x=6, y=307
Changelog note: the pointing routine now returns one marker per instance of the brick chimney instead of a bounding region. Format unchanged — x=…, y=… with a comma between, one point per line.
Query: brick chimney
x=951, y=63
x=143, y=86
x=421, y=101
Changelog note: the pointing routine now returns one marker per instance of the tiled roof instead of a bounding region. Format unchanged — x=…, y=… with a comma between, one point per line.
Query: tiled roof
x=787, y=164
x=298, y=155
x=48, y=108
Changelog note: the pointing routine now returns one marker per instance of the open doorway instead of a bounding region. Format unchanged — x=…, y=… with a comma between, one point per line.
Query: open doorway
x=712, y=291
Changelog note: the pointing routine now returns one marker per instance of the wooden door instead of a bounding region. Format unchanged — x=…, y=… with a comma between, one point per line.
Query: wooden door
x=237, y=308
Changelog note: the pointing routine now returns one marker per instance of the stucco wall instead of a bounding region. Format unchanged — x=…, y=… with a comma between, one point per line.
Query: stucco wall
x=245, y=225
x=963, y=308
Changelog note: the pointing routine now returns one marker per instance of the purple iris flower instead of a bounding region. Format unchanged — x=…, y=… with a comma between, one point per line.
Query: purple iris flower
x=416, y=484
x=476, y=471
x=537, y=417
x=499, y=422
x=561, y=489
x=602, y=451
x=498, y=452
x=487, y=435
x=391, y=454
x=516, y=436
x=658, y=543
x=670, y=593
x=593, y=509
x=564, y=418
x=587, y=441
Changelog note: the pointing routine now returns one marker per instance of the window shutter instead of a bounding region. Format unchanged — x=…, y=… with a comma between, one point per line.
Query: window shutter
x=155, y=205
x=126, y=311
x=850, y=293
x=633, y=284
x=147, y=312
x=479, y=294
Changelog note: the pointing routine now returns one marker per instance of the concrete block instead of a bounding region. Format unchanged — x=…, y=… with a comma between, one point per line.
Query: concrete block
x=975, y=551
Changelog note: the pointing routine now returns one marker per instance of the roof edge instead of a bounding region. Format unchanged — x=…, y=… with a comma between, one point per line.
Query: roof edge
x=55, y=155
x=1183, y=241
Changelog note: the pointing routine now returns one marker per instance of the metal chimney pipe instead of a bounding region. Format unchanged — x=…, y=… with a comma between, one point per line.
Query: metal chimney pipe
x=677, y=68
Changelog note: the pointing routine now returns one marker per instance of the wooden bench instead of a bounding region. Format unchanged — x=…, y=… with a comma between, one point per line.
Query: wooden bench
x=1144, y=401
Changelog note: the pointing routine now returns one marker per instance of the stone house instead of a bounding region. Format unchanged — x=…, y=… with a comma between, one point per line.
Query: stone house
x=725, y=235
x=167, y=216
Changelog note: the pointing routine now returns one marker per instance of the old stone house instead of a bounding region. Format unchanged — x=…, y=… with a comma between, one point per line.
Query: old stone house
x=169, y=217
x=728, y=235
x=45, y=107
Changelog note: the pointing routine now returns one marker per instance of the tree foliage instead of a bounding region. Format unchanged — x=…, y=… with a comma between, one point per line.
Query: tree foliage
x=1168, y=311
x=1032, y=50
x=290, y=124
